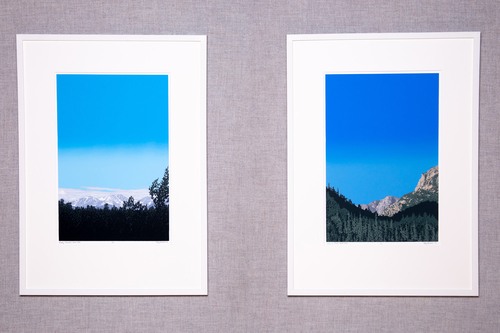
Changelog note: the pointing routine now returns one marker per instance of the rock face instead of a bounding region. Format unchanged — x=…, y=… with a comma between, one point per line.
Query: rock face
x=427, y=189
x=380, y=205
x=428, y=181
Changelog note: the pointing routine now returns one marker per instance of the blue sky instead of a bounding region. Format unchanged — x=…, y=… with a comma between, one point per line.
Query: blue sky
x=381, y=132
x=112, y=130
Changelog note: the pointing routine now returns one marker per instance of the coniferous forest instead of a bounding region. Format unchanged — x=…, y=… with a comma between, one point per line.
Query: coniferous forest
x=133, y=221
x=347, y=222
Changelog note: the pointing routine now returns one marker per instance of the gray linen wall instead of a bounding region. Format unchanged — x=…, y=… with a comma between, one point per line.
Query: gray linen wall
x=247, y=212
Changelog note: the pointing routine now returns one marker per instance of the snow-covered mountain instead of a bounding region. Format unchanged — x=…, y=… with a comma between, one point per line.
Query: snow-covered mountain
x=99, y=202
x=100, y=197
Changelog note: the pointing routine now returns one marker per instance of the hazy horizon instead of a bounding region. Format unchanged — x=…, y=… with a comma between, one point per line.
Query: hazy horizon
x=112, y=130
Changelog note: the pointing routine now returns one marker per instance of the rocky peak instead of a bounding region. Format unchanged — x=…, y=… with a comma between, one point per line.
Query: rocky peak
x=379, y=206
x=426, y=190
x=428, y=181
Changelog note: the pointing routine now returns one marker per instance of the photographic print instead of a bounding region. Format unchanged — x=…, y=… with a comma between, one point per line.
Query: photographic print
x=113, y=157
x=112, y=165
x=382, y=157
x=382, y=164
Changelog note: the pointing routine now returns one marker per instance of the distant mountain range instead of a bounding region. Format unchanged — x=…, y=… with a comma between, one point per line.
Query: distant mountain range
x=112, y=201
x=427, y=189
x=379, y=206
x=411, y=218
x=100, y=197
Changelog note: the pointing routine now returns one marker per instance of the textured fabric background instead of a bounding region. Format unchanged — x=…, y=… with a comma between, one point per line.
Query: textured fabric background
x=247, y=230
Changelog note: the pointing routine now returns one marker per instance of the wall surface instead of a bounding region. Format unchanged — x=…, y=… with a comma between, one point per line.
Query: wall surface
x=247, y=229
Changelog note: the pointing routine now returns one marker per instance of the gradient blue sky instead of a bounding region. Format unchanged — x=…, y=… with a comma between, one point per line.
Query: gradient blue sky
x=112, y=130
x=381, y=132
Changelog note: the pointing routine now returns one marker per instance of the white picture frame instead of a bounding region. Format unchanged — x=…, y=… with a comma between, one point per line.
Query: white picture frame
x=448, y=267
x=51, y=267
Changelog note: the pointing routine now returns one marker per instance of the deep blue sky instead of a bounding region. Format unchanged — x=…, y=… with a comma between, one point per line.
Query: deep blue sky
x=381, y=132
x=112, y=130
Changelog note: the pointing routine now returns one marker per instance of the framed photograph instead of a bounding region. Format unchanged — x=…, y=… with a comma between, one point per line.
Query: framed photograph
x=383, y=164
x=112, y=159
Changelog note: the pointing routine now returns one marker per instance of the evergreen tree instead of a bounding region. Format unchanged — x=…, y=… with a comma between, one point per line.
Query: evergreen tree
x=159, y=191
x=129, y=204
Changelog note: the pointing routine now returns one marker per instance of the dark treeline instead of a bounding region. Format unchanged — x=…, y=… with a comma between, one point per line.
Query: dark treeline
x=131, y=222
x=347, y=222
x=112, y=224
